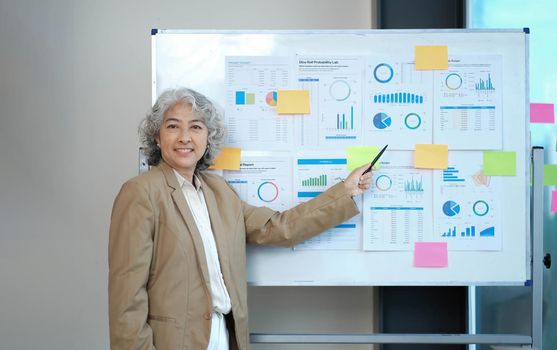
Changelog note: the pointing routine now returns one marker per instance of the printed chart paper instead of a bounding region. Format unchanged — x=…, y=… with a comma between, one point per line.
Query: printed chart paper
x=263, y=181
x=398, y=103
x=335, y=85
x=397, y=209
x=252, y=85
x=313, y=175
x=468, y=105
x=467, y=205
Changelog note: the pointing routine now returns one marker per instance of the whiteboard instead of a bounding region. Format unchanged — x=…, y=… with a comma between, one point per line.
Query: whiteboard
x=201, y=60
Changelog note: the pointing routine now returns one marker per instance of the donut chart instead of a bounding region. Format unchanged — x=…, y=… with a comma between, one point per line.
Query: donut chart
x=480, y=208
x=340, y=90
x=383, y=183
x=267, y=191
x=453, y=81
x=412, y=121
x=383, y=73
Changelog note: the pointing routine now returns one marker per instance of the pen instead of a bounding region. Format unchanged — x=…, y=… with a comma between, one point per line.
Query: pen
x=375, y=160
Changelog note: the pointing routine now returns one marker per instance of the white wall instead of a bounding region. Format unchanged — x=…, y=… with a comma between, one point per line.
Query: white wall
x=74, y=84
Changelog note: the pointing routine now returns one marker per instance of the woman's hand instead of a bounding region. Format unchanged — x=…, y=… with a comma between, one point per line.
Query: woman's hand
x=356, y=183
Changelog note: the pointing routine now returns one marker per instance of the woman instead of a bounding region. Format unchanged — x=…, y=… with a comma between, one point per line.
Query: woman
x=177, y=237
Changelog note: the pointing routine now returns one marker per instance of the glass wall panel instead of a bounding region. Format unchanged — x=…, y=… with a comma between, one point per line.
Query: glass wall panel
x=508, y=309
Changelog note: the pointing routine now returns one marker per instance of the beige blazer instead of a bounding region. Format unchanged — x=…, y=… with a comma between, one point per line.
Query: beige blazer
x=158, y=280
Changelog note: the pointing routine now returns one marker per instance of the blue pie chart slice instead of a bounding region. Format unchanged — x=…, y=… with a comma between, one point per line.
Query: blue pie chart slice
x=451, y=208
x=381, y=121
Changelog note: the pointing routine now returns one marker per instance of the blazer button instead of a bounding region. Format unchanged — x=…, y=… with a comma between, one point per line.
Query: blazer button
x=208, y=316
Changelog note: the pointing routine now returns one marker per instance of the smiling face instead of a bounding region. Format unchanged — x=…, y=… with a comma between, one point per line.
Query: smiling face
x=182, y=139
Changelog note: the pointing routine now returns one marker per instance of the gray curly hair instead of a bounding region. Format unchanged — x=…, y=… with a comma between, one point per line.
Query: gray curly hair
x=202, y=107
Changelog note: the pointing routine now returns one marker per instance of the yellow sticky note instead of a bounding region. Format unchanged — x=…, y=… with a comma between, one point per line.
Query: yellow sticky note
x=359, y=155
x=228, y=159
x=293, y=102
x=499, y=163
x=431, y=156
x=432, y=57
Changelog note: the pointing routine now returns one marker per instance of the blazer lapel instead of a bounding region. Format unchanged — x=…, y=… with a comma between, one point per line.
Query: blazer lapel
x=183, y=208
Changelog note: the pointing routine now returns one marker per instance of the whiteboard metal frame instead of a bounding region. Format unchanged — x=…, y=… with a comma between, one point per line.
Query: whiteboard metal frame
x=391, y=338
x=535, y=221
x=465, y=280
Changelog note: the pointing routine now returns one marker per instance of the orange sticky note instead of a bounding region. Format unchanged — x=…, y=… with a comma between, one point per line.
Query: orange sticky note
x=293, y=102
x=431, y=254
x=431, y=156
x=432, y=57
x=228, y=159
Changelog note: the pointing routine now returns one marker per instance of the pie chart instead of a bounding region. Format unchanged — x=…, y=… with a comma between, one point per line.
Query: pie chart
x=271, y=98
x=451, y=208
x=381, y=121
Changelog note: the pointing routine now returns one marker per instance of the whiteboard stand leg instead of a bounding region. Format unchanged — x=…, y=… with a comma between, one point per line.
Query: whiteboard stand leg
x=472, y=314
x=537, y=211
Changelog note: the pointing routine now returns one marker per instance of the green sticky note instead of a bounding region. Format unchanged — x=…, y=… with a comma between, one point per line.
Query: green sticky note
x=359, y=155
x=550, y=175
x=500, y=163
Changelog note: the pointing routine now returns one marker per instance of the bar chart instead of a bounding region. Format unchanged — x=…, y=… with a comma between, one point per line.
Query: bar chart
x=315, y=181
x=484, y=85
x=451, y=175
x=344, y=122
x=398, y=98
x=245, y=98
x=469, y=231
x=413, y=185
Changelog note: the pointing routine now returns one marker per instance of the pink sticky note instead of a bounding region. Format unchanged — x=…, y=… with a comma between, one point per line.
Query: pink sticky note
x=554, y=201
x=430, y=254
x=542, y=113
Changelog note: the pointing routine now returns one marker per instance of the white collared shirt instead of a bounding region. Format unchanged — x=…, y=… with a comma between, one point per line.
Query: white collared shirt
x=198, y=207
